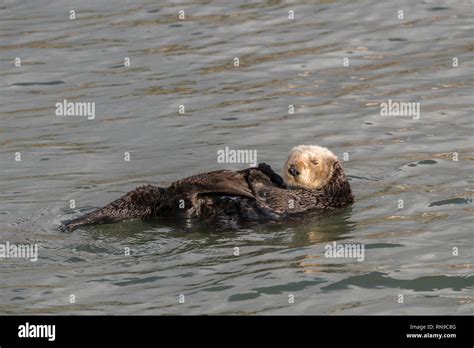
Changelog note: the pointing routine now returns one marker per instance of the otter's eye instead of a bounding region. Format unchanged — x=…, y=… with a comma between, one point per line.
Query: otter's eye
x=315, y=162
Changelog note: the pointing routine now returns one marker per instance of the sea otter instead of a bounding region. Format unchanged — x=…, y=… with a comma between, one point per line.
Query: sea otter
x=313, y=179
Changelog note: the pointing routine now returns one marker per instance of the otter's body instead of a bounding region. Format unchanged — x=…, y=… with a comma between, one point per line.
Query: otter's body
x=253, y=194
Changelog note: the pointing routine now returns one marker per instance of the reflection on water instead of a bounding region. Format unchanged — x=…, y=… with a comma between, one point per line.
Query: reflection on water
x=422, y=249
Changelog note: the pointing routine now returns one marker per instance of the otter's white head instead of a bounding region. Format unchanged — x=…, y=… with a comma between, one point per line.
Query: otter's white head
x=309, y=166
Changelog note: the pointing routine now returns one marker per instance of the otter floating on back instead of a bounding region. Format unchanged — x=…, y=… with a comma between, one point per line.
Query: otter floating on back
x=314, y=179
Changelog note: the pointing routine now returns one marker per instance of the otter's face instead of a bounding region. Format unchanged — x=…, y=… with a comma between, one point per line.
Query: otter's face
x=309, y=166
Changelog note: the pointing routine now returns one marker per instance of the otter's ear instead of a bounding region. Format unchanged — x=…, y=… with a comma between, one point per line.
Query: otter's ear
x=333, y=162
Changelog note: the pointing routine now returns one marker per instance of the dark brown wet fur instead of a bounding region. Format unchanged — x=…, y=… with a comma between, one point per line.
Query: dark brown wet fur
x=253, y=194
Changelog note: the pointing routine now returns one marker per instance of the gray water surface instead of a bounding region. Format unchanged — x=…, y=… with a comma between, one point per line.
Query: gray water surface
x=408, y=251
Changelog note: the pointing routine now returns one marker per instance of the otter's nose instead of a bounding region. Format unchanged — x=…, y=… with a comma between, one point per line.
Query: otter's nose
x=292, y=170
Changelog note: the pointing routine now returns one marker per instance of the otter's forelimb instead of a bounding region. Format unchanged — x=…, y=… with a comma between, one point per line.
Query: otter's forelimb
x=137, y=204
